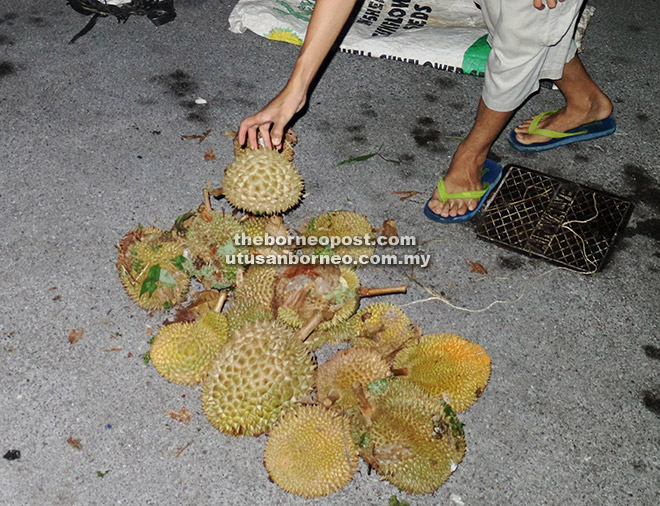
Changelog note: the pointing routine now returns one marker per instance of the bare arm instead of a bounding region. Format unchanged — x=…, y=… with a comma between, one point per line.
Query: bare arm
x=327, y=21
x=551, y=4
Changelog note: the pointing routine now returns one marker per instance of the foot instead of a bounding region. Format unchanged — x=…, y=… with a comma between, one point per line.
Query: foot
x=565, y=119
x=464, y=174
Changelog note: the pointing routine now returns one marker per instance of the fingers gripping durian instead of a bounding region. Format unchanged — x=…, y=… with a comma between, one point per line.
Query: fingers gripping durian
x=260, y=373
x=447, y=366
x=262, y=181
x=310, y=452
x=183, y=352
x=149, y=263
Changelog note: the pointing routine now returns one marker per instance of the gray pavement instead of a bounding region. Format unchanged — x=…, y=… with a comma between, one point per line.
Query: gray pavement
x=91, y=146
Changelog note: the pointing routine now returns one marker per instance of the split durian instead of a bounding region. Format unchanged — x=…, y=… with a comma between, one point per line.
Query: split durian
x=310, y=452
x=149, y=263
x=261, y=372
x=262, y=181
x=183, y=352
x=336, y=377
x=447, y=366
x=308, y=290
x=273, y=236
x=385, y=328
x=340, y=333
x=412, y=439
x=341, y=224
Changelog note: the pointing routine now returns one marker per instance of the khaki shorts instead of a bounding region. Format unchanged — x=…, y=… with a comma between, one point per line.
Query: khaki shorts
x=527, y=45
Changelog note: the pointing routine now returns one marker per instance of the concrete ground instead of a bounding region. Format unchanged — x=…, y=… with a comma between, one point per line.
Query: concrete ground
x=91, y=145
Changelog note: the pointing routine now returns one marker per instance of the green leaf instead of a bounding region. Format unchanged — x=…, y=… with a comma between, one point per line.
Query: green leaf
x=355, y=159
x=378, y=386
x=102, y=474
x=178, y=223
x=150, y=282
x=166, y=277
x=364, y=440
x=146, y=357
x=394, y=501
x=178, y=262
x=227, y=248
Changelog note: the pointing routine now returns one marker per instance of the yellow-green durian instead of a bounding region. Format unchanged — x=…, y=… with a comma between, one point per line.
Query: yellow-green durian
x=258, y=285
x=412, y=439
x=261, y=372
x=310, y=452
x=336, y=377
x=149, y=263
x=262, y=181
x=447, y=366
x=210, y=243
x=244, y=311
x=183, y=352
x=385, y=328
x=340, y=333
x=341, y=224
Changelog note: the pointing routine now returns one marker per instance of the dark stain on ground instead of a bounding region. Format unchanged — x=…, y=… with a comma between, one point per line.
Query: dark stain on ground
x=146, y=101
x=639, y=466
x=510, y=262
x=649, y=228
x=645, y=188
x=9, y=16
x=652, y=401
x=635, y=28
x=425, y=121
x=6, y=68
x=427, y=136
x=445, y=83
x=198, y=113
x=581, y=158
x=6, y=41
x=652, y=351
x=37, y=21
x=369, y=112
x=358, y=133
x=656, y=254
x=179, y=83
x=407, y=157
x=642, y=117
x=457, y=106
x=430, y=97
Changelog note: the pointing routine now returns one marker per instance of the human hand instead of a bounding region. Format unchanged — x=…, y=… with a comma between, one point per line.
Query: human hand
x=551, y=4
x=271, y=121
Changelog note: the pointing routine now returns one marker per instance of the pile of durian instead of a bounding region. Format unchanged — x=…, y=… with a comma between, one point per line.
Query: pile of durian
x=388, y=395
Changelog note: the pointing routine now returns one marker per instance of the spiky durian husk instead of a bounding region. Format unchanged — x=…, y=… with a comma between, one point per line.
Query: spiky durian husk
x=290, y=140
x=243, y=312
x=412, y=439
x=262, y=181
x=336, y=378
x=341, y=224
x=183, y=352
x=261, y=372
x=269, y=229
x=385, y=328
x=144, y=249
x=310, y=452
x=258, y=285
x=208, y=244
x=340, y=303
x=447, y=366
x=340, y=333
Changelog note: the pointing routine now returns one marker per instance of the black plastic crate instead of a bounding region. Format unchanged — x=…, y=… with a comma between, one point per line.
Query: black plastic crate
x=554, y=219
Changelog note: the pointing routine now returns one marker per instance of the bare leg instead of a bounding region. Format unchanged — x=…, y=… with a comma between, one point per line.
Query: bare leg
x=585, y=102
x=464, y=173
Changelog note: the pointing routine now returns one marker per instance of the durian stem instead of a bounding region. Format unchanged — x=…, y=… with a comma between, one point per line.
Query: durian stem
x=386, y=290
x=207, y=199
x=309, y=326
x=403, y=371
x=363, y=402
x=221, y=302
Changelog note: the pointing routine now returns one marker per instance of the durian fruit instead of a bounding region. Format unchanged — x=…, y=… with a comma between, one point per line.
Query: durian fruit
x=268, y=234
x=336, y=377
x=244, y=311
x=341, y=224
x=210, y=238
x=149, y=263
x=340, y=333
x=257, y=285
x=263, y=371
x=183, y=352
x=447, y=366
x=310, y=452
x=305, y=291
x=262, y=181
x=385, y=328
x=412, y=439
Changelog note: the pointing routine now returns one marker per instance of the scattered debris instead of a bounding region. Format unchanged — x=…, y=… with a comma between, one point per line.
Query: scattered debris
x=200, y=138
x=456, y=499
x=183, y=415
x=181, y=450
x=406, y=194
x=477, y=267
x=114, y=348
x=389, y=228
x=76, y=335
x=362, y=158
x=75, y=443
x=102, y=474
x=394, y=501
x=12, y=455
x=200, y=101
x=209, y=156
